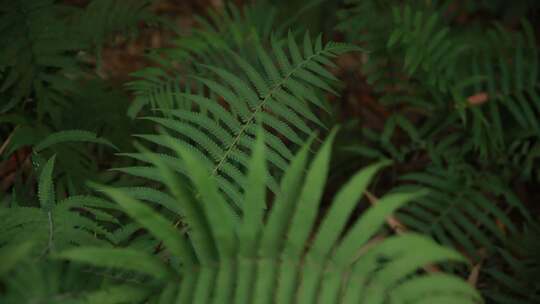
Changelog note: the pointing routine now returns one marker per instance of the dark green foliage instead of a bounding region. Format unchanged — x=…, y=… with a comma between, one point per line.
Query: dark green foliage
x=280, y=98
x=432, y=65
x=55, y=224
x=41, y=62
x=226, y=259
x=193, y=184
x=49, y=90
x=467, y=98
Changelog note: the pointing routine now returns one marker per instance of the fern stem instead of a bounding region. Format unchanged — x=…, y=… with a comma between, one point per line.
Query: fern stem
x=250, y=120
x=51, y=228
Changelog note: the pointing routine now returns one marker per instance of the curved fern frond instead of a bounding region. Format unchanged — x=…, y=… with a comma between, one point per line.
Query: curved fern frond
x=71, y=136
x=487, y=75
x=250, y=32
x=12, y=255
x=222, y=131
x=72, y=146
x=458, y=213
x=232, y=28
x=270, y=257
x=28, y=47
x=40, y=41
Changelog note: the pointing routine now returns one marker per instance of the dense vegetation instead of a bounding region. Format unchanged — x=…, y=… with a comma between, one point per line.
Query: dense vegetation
x=338, y=151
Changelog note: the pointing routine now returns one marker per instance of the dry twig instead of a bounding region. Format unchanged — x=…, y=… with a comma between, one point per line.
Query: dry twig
x=398, y=228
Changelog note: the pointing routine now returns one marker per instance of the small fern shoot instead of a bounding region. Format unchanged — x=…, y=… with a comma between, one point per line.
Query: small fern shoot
x=56, y=225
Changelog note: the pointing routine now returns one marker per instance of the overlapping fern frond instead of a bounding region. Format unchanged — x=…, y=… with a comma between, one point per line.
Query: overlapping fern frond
x=35, y=42
x=45, y=79
x=240, y=30
x=458, y=213
x=39, y=61
x=520, y=281
x=59, y=283
x=270, y=256
x=232, y=29
x=512, y=81
x=55, y=225
x=221, y=124
x=75, y=147
x=467, y=126
x=418, y=61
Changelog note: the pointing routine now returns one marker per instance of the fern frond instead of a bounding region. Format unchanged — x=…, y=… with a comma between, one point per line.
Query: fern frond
x=486, y=75
x=246, y=31
x=71, y=136
x=457, y=213
x=56, y=225
x=267, y=256
x=35, y=48
x=240, y=30
x=116, y=294
x=12, y=255
x=44, y=44
x=127, y=259
x=279, y=99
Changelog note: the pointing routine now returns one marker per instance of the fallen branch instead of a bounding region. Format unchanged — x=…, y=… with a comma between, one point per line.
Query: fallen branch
x=475, y=271
x=6, y=142
x=474, y=275
x=392, y=221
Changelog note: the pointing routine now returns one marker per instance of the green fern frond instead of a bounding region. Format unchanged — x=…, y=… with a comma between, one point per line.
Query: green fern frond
x=12, y=255
x=280, y=99
x=233, y=28
x=72, y=146
x=458, y=213
x=56, y=225
x=268, y=257
x=42, y=42
x=71, y=136
x=116, y=294
x=34, y=47
x=245, y=31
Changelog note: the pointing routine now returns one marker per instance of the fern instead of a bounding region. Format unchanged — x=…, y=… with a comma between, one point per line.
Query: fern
x=43, y=59
x=70, y=136
x=512, y=80
x=240, y=30
x=54, y=282
x=279, y=99
x=216, y=205
x=520, y=256
x=232, y=29
x=457, y=211
x=38, y=49
x=462, y=122
x=12, y=255
x=249, y=258
x=481, y=78
x=44, y=78
x=55, y=225
x=78, y=164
